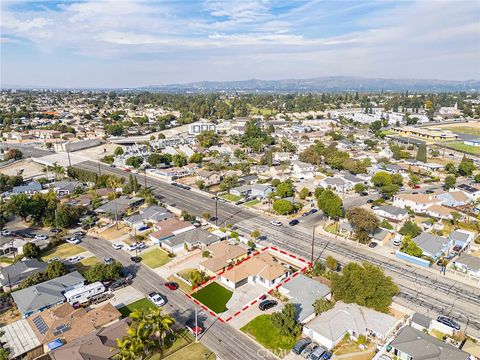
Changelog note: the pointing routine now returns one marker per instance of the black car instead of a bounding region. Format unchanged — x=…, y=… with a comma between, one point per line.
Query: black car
x=267, y=304
x=301, y=345
x=118, y=284
x=136, y=259
x=449, y=322
x=55, y=230
x=429, y=191
x=364, y=193
x=126, y=274
x=369, y=201
x=313, y=211
x=373, y=244
x=294, y=222
x=79, y=233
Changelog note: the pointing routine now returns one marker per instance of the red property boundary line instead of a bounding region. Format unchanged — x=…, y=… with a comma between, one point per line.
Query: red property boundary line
x=308, y=264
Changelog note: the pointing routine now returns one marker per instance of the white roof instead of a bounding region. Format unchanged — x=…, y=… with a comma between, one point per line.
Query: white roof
x=82, y=289
x=19, y=337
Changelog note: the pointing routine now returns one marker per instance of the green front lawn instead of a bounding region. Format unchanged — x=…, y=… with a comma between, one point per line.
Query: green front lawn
x=214, y=296
x=460, y=146
x=137, y=305
x=184, y=347
x=252, y=203
x=231, y=197
x=155, y=258
x=86, y=264
x=62, y=251
x=262, y=330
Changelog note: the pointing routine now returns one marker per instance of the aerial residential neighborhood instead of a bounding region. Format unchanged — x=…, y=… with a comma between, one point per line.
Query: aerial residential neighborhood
x=239, y=179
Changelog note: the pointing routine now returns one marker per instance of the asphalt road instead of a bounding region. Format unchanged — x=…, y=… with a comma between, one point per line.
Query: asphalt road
x=219, y=337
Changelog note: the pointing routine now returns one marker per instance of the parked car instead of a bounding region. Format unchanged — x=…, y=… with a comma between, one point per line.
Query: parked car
x=457, y=248
x=73, y=240
x=276, y=223
x=141, y=245
x=195, y=329
x=308, y=350
x=429, y=191
x=156, y=298
x=449, y=322
x=131, y=247
x=136, y=259
x=53, y=259
x=126, y=274
x=369, y=201
x=294, y=222
x=6, y=233
x=318, y=353
x=373, y=245
x=267, y=304
x=397, y=242
x=41, y=237
x=171, y=285
x=55, y=230
x=301, y=345
x=79, y=233
x=364, y=193
x=118, y=284
x=117, y=246
x=108, y=260
x=99, y=298
x=74, y=259
x=450, y=256
x=305, y=214
x=312, y=211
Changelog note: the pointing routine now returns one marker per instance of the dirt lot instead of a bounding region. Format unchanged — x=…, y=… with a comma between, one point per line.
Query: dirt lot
x=30, y=169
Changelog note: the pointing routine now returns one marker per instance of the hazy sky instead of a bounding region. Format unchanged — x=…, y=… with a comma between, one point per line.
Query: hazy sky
x=127, y=43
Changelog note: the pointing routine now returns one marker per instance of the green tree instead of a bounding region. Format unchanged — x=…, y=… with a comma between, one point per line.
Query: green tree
x=103, y=272
x=197, y=278
x=450, y=182
x=322, y=305
x=414, y=180
x=318, y=268
x=422, y=153
x=179, y=160
x=56, y=269
x=255, y=234
x=14, y=154
x=411, y=248
x=331, y=263
x=283, y=207
x=134, y=161
x=286, y=321
x=118, y=151
x=156, y=159
x=30, y=250
x=365, y=285
x=208, y=138
x=196, y=158
x=67, y=216
x=359, y=188
x=331, y=204
x=410, y=229
x=451, y=169
x=285, y=189
x=466, y=167
x=303, y=193
x=228, y=183
x=364, y=222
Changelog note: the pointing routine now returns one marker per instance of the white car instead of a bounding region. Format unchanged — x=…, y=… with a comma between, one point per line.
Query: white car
x=141, y=245
x=6, y=233
x=53, y=259
x=73, y=240
x=41, y=237
x=156, y=298
x=117, y=246
x=74, y=259
x=276, y=223
x=131, y=247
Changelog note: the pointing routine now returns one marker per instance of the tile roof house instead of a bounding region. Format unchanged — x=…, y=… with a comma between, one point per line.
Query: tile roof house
x=209, y=177
x=222, y=255
x=67, y=323
x=302, y=292
x=262, y=269
x=98, y=345
x=49, y=293
x=411, y=343
x=13, y=275
x=432, y=245
x=168, y=228
x=329, y=328
x=193, y=238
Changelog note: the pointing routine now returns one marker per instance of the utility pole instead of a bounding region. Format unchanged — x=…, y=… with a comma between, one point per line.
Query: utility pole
x=216, y=210
x=145, y=172
x=313, y=243
x=69, y=161
x=196, y=326
x=98, y=162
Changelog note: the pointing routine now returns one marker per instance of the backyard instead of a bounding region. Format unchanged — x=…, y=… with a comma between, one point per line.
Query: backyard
x=62, y=251
x=155, y=258
x=262, y=330
x=214, y=296
x=137, y=305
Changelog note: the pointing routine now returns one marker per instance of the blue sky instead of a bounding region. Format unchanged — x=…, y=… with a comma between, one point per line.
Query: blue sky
x=128, y=43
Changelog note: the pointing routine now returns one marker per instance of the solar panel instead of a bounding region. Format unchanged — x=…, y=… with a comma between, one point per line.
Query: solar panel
x=40, y=325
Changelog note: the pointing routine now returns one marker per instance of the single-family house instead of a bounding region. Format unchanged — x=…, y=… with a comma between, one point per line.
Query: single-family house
x=302, y=292
x=12, y=275
x=29, y=189
x=262, y=269
x=261, y=191
x=302, y=170
x=329, y=328
x=473, y=192
x=336, y=183
x=243, y=190
x=209, y=178
x=419, y=203
x=411, y=343
x=193, y=238
x=119, y=206
x=63, y=188
x=441, y=212
x=392, y=213
x=469, y=264
x=151, y=214
x=49, y=293
x=420, y=322
x=432, y=245
x=168, y=228
x=453, y=198
x=462, y=238
x=222, y=255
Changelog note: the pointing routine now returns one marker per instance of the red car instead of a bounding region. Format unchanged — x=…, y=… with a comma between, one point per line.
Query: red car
x=416, y=186
x=171, y=285
x=126, y=170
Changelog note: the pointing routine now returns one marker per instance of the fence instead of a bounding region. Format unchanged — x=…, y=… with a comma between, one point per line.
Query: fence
x=412, y=259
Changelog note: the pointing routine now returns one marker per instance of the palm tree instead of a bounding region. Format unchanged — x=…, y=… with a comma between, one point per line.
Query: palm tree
x=159, y=324
x=57, y=169
x=113, y=183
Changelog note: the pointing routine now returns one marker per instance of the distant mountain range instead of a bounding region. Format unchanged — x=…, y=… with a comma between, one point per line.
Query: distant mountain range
x=321, y=84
